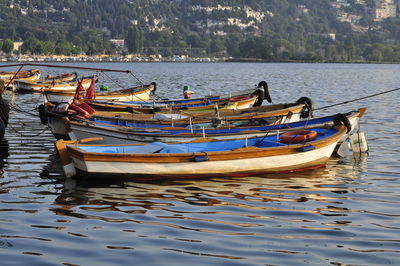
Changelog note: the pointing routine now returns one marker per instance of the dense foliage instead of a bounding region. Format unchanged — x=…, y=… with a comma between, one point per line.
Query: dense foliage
x=262, y=29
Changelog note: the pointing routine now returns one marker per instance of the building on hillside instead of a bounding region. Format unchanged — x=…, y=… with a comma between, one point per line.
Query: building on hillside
x=17, y=46
x=302, y=9
x=385, y=9
x=118, y=43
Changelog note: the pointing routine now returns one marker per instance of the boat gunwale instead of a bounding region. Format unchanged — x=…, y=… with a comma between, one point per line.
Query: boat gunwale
x=134, y=90
x=236, y=154
x=224, y=114
x=32, y=85
x=254, y=129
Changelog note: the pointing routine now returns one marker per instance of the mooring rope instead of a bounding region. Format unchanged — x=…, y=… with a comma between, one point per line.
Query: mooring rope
x=30, y=136
x=105, y=75
x=357, y=99
x=17, y=108
x=141, y=83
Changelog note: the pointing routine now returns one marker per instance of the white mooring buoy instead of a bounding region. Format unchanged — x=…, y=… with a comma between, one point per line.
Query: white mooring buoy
x=358, y=142
x=344, y=149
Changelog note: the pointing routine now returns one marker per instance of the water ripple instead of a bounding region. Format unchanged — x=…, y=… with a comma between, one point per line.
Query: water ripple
x=345, y=213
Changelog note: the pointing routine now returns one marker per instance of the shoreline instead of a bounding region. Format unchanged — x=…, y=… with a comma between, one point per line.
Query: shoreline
x=186, y=60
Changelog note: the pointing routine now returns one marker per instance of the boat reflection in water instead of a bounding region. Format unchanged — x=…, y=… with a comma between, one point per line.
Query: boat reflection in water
x=231, y=219
x=327, y=185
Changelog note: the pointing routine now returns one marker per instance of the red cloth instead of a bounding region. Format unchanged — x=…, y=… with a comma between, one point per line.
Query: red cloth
x=91, y=90
x=86, y=107
x=78, y=90
x=79, y=110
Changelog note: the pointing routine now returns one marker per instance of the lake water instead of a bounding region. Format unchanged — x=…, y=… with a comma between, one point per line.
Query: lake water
x=346, y=213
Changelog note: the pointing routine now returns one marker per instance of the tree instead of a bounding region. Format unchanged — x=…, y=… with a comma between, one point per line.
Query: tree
x=349, y=48
x=30, y=45
x=64, y=48
x=134, y=39
x=232, y=44
x=256, y=47
x=330, y=52
x=282, y=49
x=217, y=46
x=374, y=53
x=8, y=46
x=48, y=47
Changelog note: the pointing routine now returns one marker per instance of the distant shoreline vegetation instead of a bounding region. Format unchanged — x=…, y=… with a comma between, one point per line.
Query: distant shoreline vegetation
x=272, y=31
x=144, y=59
x=255, y=60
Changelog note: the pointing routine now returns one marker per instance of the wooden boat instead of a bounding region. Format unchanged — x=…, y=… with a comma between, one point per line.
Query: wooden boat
x=262, y=87
x=142, y=93
x=62, y=77
x=183, y=118
x=9, y=78
x=149, y=108
x=195, y=104
x=26, y=74
x=236, y=157
x=51, y=85
x=59, y=123
x=141, y=103
x=114, y=132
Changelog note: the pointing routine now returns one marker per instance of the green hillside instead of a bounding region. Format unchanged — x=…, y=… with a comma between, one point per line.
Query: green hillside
x=262, y=29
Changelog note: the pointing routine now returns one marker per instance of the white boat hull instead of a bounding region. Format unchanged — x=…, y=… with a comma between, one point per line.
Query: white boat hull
x=270, y=164
x=59, y=98
x=27, y=87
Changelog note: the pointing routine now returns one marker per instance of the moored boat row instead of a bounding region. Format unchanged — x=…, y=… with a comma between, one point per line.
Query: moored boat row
x=134, y=133
x=63, y=125
x=142, y=146
x=115, y=132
